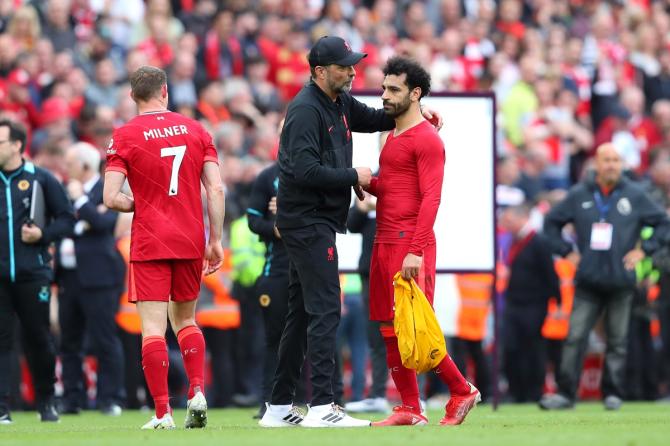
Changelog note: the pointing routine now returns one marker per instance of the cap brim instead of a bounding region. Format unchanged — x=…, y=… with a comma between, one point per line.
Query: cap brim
x=351, y=59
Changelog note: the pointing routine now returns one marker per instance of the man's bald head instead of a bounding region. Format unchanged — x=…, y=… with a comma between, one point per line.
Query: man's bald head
x=606, y=148
x=608, y=165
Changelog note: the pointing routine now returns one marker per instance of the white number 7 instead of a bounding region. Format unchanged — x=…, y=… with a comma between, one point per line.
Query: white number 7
x=178, y=153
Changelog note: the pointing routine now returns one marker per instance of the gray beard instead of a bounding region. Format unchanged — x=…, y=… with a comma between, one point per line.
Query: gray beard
x=343, y=89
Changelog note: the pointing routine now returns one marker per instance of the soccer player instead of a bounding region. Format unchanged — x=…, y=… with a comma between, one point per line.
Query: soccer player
x=408, y=189
x=165, y=156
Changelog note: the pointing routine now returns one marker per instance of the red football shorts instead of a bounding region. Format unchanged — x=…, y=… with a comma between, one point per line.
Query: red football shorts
x=164, y=280
x=386, y=262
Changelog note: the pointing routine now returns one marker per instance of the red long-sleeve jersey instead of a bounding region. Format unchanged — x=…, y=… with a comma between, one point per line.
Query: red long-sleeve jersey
x=408, y=187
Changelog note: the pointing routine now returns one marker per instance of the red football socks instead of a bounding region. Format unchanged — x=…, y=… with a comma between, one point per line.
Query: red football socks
x=155, y=365
x=404, y=378
x=452, y=377
x=192, y=346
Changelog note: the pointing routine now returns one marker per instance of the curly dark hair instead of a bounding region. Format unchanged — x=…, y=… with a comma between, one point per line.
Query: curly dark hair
x=417, y=76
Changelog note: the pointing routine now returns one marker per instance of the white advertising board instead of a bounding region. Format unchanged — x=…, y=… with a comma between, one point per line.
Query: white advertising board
x=465, y=222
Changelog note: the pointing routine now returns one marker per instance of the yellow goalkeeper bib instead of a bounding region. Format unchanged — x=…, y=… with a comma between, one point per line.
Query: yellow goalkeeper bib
x=420, y=338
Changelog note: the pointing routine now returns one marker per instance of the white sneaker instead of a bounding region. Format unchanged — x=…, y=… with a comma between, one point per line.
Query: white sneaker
x=368, y=405
x=160, y=423
x=5, y=418
x=331, y=415
x=196, y=412
x=281, y=416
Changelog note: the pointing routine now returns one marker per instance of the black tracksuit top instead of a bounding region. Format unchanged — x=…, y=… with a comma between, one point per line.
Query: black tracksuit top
x=315, y=155
x=22, y=261
x=629, y=210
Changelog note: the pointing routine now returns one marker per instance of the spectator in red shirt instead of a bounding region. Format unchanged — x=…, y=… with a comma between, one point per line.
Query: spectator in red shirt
x=55, y=126
x=642, y=127
x=221, y=54
x=17, y=99
x=510, y=18
x=292, y=68
x=157, y=46
x=450, y=69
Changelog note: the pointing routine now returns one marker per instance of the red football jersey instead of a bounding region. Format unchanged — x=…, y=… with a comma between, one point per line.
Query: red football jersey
x=162, y=154
x=409, y=187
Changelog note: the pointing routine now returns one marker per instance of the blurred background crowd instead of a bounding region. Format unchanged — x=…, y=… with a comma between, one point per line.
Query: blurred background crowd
x=567, y=75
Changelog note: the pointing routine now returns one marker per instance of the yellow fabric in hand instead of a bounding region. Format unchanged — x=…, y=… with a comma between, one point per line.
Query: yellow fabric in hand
x=420, y=339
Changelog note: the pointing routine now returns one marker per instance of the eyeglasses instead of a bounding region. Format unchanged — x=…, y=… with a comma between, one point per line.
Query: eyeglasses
x=6, y=140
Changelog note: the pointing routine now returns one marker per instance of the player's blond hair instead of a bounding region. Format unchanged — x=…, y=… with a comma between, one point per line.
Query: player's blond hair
x=146, y=83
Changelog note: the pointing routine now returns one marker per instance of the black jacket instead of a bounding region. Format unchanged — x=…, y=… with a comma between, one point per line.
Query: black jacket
x=630, y=209
x=655, y=88
x=261, y=221
x=99, y=263
x=315, y=153
x=362, y=223
x=21, y=261
x=532, y=277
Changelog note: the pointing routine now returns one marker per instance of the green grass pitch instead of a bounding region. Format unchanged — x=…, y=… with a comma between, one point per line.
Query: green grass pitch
x=643, y=424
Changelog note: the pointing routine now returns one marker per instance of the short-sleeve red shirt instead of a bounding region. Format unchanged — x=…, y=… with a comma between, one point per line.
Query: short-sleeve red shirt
x=162, y=154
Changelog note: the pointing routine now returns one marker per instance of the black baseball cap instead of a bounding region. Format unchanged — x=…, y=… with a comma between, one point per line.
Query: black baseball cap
x=333, y=50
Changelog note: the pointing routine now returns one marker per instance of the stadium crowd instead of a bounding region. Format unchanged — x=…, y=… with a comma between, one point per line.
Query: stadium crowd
x=568, y=75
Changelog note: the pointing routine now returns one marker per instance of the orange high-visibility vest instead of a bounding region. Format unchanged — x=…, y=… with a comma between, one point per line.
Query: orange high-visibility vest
x=127, y=317
x=475, y=294
x=556, y=326
x=216, y=308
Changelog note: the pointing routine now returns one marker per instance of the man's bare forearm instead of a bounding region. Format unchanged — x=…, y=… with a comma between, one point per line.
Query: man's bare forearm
x=216, y=199
x=216, y=205
x=112, y=195
x=122, y=203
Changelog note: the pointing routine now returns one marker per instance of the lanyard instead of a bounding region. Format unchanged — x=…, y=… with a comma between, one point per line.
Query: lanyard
x=602, y=205
x=518, y=246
